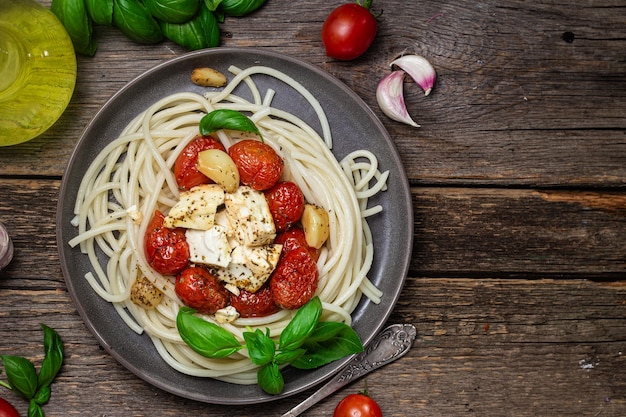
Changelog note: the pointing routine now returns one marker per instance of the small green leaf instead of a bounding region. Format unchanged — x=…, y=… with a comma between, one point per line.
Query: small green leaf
x=43, y=395
x=227, y=119
x=73, y=15
x=34, y=409
x=288, y=356
x=21, y=375
x=270, y=379
x=172, y=11
x=100, y=11
x=325, y=330
x=53, y=359
x=320, y=353
x=301, y=326
x=134, y=20
x=198, y=33
x=239, y=8
x=261, y=347
x=212, y=5
x=206, y=338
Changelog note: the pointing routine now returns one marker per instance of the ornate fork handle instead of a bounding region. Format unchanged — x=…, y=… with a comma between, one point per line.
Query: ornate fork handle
x=390, y=344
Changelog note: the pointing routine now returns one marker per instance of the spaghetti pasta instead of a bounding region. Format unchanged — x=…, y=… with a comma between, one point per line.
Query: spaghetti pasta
x=132, y=177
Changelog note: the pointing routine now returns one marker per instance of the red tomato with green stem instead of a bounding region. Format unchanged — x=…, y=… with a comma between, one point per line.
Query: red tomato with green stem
x=349, y=30
x=186, y=165
x=7, y=410
x=167, y=250
x=358, y=405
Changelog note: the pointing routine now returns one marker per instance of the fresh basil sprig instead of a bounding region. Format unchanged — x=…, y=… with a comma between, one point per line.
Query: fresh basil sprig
x=305, y=343
x=227, y=119
x=23, y=379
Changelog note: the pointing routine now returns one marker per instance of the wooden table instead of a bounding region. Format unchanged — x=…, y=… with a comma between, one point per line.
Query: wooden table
x=518, y=175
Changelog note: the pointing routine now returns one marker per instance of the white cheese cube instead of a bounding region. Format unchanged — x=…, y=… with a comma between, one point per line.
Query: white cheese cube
x=209, y=247
x=250, y=217
x=196, y=208
x=250, y=266
x=226, y=315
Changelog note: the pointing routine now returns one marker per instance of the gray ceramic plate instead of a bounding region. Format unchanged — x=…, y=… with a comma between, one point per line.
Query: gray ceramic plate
x=354, y=126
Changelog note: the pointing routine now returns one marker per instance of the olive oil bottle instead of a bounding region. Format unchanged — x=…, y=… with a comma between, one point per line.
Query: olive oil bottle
x=37, y=70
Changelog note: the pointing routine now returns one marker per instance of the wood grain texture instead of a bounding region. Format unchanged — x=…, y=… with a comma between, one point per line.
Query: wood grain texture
x=517, y=283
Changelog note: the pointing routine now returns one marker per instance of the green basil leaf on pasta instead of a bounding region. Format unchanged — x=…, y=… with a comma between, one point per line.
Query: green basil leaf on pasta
x=53, y=359
x=261, y=347
x=206, y=338
x=21, y=375
x=227, y=119
x=73, y=15
x=301, y=325
x=100, y=11
x=288, y=356
x=134, y=20
x=321, y=352
x=172, y=11
x=270, y=379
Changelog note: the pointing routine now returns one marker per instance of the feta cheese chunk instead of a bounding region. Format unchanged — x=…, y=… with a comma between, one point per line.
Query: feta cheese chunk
x=209, y=247
x=226, y=315
x=250, y=217
x=250, y=266
x=196, y=208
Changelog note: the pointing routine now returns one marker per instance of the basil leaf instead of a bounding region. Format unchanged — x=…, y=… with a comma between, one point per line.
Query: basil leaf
x=238, y=8
x=73, y=16
x=301, y=325
x=212, y=5
x=172, y=11
x=34, y=409
x=21, y=375
x=319, y=353
x=227, y=119
x=53, y=359
x=206, y=338
x=261, y=347
x=325, y=330
x=288, y=356
x=42, y=395
x=134, y=20
x=270, y=379
x=198, y=33
x=100, y=11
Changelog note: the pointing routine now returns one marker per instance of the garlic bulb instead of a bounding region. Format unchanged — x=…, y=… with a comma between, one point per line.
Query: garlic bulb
x=6, y=247
x=390, y=97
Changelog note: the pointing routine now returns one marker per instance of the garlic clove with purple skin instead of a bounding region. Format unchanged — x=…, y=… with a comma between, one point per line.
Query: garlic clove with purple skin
x=390, y=97
x=6, y=247
x=419, y=69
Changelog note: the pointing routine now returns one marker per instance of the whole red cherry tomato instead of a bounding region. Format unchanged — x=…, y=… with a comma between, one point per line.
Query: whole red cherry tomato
x=7, y=410
x=258, y=163
x=199, y=289
x=294, y=281
x=186, y=165
x=349, y=30
x=295, y=238
x=286, y=203
x=357, y=405
x=167, y=250
x=257, y=304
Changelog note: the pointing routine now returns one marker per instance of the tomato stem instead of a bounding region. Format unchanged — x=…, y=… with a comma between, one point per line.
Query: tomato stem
x=365, y=3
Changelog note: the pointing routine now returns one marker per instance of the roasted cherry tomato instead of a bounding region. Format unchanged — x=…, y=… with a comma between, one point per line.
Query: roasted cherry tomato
x=286, y=203
x=349, y=30
x=357, y=405
x=166, y=249
x=258, y=304
x=199, y=289
x=295, y=238
x=185, y=167
x=294, y=281
x=7, y=410
x=259, y=165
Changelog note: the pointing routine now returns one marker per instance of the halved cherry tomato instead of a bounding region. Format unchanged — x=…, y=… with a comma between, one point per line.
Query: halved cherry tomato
x=286, y=203
x=199, y=289
x=167, y=250
x=7, y=410
x=294, y=281
x=358, y=405
x=185, y=167
x=349, y=30
x=258, y=304
x=259, y=165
